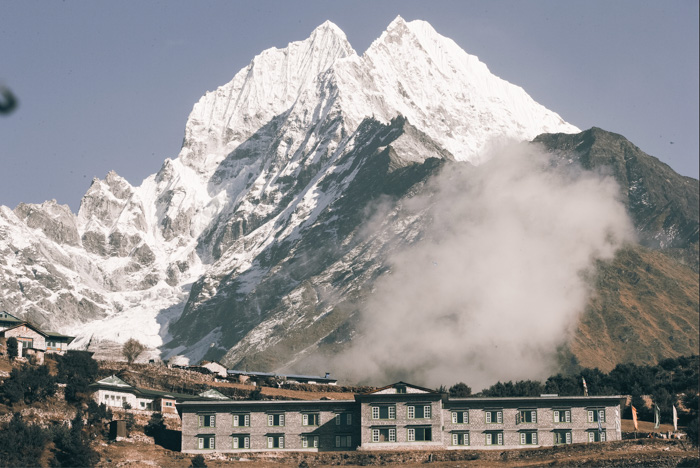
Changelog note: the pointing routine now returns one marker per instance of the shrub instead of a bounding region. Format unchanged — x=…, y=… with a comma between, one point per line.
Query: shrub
x=198, y=461
x=29, y=384
x=77, y=369
x=12, y=349
x=22, y=444
x=156, y=425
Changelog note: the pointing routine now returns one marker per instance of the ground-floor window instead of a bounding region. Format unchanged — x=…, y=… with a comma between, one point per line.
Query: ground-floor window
x=343, y=441
x=240, y=441
x=419, y=434
x=386, y=434
x=309, y=441
x=206, y=442
x=460, y=438
x=596, y=436
x=562, y=437
x=528, y=438
x=494, y=438
x=275, y=441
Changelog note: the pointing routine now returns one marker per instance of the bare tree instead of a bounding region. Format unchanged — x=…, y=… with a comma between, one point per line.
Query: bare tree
x=132, y=349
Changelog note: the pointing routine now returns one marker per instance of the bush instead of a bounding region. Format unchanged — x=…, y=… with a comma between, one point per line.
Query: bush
x=156, y=425
x=73, y=446
x=198, y=461
x=12, y=349
x=29, y=384
x=22, y=444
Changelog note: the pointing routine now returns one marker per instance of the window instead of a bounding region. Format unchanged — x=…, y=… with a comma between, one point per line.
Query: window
x=384, y=412
x=343, y=441
x=169, y=403
x=241, y=420
x=460, y=438
x=494, y=438
x=387, y=434
x=494, y=417
x=310, y=419
x=275, y=419
x=240, y=441
x=420, y=434
x=400, y=389
x=460, y=417
x=528, y=438
x=206, y=442
x=562, y=415
x=207, y=420
x=562, y=437
x=526, y=417
x=419, y=412
x=595, y=415
x=597, y=436
x=348, y=419
x=309, y=441
x=275, y=441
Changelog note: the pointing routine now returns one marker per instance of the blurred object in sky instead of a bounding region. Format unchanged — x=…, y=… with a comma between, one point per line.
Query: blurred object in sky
x=8, y=101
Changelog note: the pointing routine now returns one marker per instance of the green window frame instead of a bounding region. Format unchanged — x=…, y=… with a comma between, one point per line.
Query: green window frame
x=562, y=437
x=383, y=412
x=562, y=415
x=207, y=420
x=310, y=419
x=241, y=420
x=206, y=442
x=460, y=417
x=460, y=438
x=384, y=434
x=494, y=416
x=240, y=441
x=528, y=438
x=275, y=420
x=494, y=438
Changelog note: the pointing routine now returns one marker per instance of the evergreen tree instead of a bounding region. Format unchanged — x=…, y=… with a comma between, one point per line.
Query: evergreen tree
x=22, y=444
x=12, y=348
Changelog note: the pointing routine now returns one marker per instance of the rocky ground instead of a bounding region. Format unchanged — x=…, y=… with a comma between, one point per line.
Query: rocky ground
x=139, y=451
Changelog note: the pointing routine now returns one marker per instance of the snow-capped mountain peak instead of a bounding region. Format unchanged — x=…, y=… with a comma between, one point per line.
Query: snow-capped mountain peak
x=269, y=157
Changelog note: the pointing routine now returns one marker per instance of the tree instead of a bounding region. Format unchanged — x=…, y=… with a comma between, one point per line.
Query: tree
x=460, y=390
x=132, y=349
x=198, y=462
x=12, y=349
x=73, y=446
x=156, y=425
x=77, y=369
x=22, y=444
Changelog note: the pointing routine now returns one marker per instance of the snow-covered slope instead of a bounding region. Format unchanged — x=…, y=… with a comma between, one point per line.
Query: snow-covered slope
x=257, y=225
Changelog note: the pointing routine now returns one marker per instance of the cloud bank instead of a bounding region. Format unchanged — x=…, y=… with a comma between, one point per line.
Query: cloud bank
x=496, y=282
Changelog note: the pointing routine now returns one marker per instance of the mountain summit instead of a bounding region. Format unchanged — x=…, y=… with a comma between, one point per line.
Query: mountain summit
x=254, y=240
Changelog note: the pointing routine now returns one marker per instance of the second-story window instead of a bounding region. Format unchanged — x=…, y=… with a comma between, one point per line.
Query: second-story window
x=207, y=420
x=384, y=412
x=310, y=419
x=419, y=412
x=460, y=417
x=526, y=417
x=562, y=415
x=275, y=419
x=595, y=415
x=494, y=417
x=241, y=420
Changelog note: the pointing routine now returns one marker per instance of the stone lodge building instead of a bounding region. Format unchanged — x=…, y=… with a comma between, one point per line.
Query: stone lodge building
x=399, y=416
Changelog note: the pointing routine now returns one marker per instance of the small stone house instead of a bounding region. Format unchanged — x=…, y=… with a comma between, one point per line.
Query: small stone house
x=32, y=337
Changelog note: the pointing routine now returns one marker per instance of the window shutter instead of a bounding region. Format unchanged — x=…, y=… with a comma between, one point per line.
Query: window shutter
x=392, y=435
x=426, y=412
x=411, y=435
x=348, y=419
x=246, y=420
x=270, y=443
x=534, y=438
x=499, y=417
x=601, y=415
x=488, y=418
x=212, y=443
x=213, y=421
x=567, y=414
x=337, y=441
x=455, y=438
x=305, y=419
x=392, y=412
x=235, y=421
x=270, y=420
x=489, y=439
x=500, y=438
x=517, y=419
x=200, y=442
x=375, y=435
x=591, y=437
x=522, y=438
x=315, y=441
x=375, y=412
x=568, y=437
x=281, y=441
x=281, y=420
x=602, y=436
x=533, y=415
x=556, y=416
x=590, y=416
x=304, y=442
x=246, y=442
x=454, y=419
x=235, y=442
x=411, y=412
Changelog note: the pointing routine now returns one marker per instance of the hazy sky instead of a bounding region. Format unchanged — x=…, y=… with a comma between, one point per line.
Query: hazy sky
x=109, y=85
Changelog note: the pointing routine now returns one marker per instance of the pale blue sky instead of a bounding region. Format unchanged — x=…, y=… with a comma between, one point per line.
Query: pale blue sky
x=109, y=85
